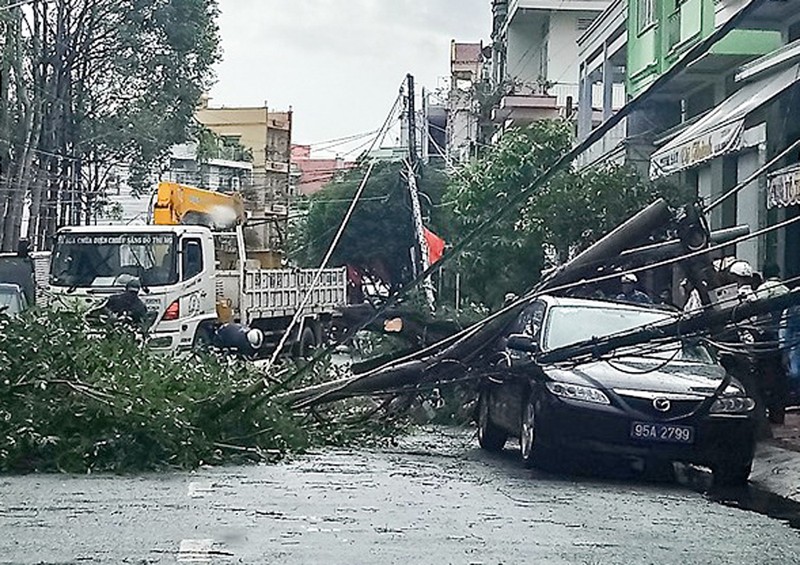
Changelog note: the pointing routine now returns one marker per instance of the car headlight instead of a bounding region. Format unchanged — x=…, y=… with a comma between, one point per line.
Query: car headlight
x=576, y=392
x=733, y=405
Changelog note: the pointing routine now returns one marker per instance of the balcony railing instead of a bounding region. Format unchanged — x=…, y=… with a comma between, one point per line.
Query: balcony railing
x=564, y=90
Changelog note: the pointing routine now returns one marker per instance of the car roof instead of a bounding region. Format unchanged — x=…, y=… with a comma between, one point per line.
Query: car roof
x=591, y=303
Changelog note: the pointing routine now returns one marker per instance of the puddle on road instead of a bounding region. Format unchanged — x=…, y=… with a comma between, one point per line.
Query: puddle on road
x=760, y=501
x=750, y=498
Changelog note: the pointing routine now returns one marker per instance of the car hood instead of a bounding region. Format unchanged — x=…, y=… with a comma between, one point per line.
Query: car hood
x=652, y=375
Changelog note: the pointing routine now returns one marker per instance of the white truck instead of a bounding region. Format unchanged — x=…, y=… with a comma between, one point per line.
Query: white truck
x=194, y=280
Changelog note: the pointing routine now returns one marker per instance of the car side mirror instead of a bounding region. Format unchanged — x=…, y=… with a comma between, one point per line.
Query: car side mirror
x=521, y=342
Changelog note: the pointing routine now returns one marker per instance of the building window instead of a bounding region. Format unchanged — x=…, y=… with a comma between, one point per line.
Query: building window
x=646, y=14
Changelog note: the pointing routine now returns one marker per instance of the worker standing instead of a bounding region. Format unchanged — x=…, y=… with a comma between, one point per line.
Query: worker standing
x=770, y=357
x=629, y=291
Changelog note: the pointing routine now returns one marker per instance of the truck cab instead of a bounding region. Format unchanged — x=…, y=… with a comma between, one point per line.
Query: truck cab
x=175, y=266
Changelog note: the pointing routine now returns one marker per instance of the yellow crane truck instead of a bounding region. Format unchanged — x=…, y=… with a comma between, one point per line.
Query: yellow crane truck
x=196, y=274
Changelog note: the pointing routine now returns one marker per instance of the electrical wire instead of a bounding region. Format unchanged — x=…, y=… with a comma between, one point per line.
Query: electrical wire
x=345, y=221
x=693, y=54
x=323, y=145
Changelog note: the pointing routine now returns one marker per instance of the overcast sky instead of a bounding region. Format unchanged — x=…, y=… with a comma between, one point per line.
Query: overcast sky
x=338, y=63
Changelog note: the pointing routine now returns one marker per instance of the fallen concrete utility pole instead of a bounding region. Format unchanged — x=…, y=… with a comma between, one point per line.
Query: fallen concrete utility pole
x=655, y=252
x=457, y=354
x=637, y=228
x=674, y=247
x=451, y=360
x=673, y=329
x=456, y=361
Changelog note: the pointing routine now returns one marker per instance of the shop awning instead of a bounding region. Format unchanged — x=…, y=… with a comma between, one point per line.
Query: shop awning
x=721, y=130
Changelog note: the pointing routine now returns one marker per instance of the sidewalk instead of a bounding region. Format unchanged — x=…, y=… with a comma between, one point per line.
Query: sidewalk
x=788, y=435
x=777, y=464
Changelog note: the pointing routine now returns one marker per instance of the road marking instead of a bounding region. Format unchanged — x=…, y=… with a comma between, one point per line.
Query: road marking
x=196, y=551
x=201, y=551
x=200, y=490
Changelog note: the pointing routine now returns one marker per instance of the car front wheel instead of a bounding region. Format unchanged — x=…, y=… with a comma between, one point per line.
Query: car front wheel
x=490, y=436
x=527, y=434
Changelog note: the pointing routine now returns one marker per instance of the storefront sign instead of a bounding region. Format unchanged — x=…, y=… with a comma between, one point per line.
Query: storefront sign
x=784, y=188
x=681, y=155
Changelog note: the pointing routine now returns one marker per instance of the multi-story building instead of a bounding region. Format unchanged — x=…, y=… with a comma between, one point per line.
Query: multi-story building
x=311, y=174
x=217, y=174
x=535, y=56
x=717, y=121
x=463, y=114
x=268, y=135
x=602, y=61
x=121, y=205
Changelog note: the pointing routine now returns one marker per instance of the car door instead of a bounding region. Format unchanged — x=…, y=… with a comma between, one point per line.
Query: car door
x=515, y=370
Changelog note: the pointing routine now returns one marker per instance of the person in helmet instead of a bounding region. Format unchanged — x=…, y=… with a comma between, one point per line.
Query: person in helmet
x=770, y=360
x=238, y=338
x=629, y=291
x=742, y=274
x=127, y=305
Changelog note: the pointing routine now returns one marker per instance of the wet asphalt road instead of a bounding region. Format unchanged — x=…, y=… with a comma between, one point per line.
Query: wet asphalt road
x=435, y=498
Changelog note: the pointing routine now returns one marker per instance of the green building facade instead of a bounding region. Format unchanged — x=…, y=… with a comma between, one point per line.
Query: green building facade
x=661, y=31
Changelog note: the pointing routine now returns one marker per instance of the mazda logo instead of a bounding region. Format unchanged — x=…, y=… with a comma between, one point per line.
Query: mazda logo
x=662, y=404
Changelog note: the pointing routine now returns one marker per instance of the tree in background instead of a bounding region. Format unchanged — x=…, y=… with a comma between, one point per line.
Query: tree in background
x=380, y=234
x=554, y=224
x=86, y=86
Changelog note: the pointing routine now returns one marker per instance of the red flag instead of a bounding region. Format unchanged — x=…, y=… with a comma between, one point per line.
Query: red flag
x=435, y=245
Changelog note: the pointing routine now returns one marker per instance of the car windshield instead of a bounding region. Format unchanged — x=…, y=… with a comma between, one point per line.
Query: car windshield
x=690, y=351
x=108, y=260
x=10, y=301
x=567, y=325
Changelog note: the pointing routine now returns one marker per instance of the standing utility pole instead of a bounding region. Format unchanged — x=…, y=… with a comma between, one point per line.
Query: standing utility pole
x=420, y=259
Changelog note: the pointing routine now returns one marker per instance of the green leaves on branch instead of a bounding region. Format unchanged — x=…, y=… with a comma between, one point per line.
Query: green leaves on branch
x=380, y=233
x=77, y=398
x=556, y=222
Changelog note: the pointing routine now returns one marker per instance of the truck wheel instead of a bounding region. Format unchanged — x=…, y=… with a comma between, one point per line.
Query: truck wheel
x=308, y=343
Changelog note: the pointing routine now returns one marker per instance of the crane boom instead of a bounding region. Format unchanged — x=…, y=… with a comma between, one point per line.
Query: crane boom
x=178, y=204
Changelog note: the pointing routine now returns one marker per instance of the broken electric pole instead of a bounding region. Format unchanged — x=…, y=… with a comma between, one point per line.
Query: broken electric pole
x=420, y=258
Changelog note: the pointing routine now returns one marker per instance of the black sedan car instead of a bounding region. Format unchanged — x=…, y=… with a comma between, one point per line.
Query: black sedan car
x=671, y=403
